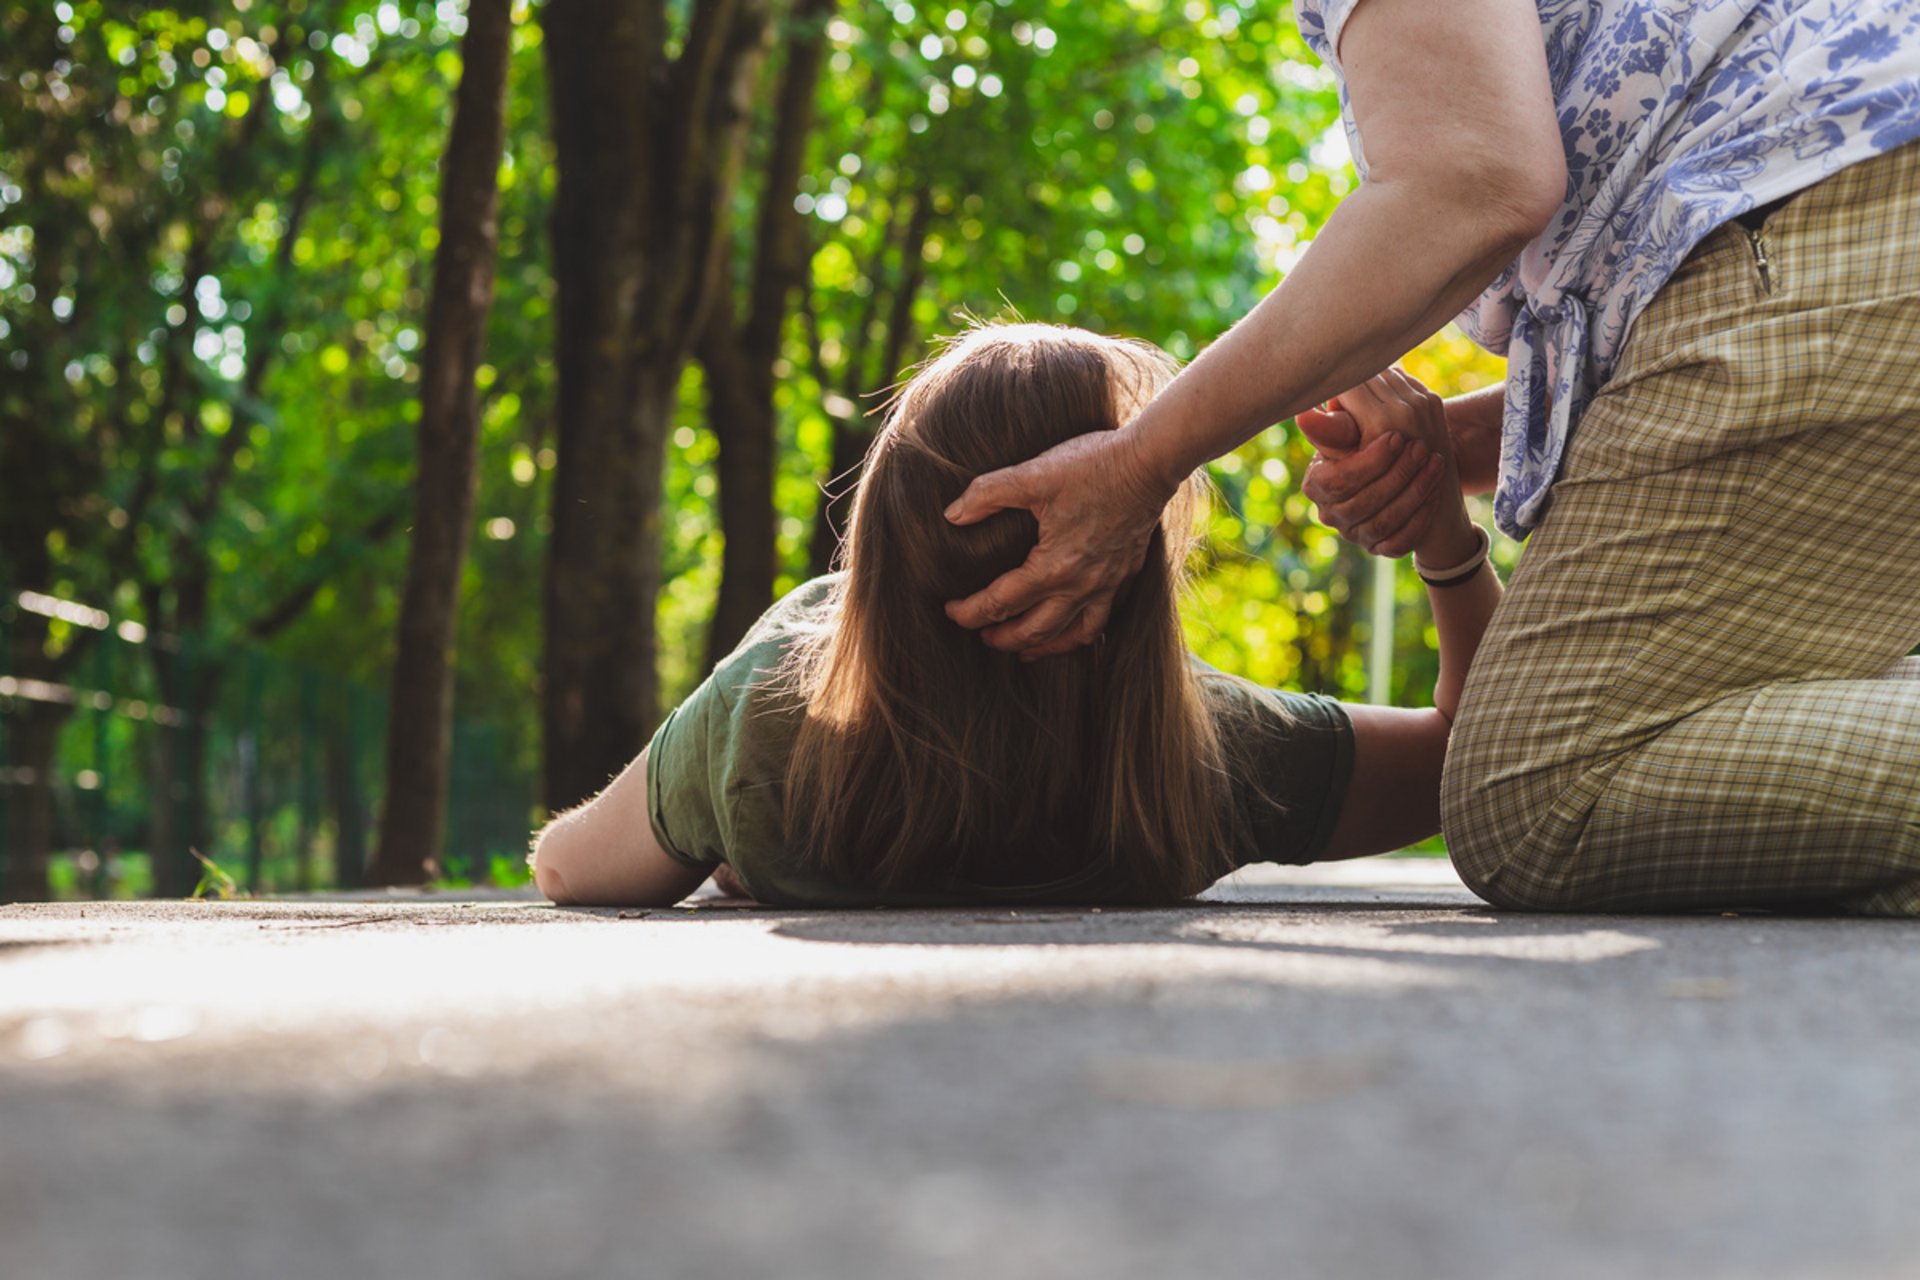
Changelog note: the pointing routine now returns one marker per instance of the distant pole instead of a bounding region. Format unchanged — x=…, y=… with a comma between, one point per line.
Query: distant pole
x=1380, y=646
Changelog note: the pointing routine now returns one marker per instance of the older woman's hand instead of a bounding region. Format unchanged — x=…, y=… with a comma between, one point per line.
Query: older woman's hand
x=1097, y=505
x=1384, y=462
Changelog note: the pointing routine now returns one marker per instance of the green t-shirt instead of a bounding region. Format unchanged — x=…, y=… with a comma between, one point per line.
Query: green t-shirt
x=717, y=766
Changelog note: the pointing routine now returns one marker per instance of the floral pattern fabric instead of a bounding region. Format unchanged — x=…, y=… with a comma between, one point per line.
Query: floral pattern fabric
x=1677, y=116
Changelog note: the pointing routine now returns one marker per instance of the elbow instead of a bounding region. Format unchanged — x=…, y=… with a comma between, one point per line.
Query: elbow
x=551, y=886
x=1521, y=193
x=1496, y=203
x=547, y=875
x=1536, y=196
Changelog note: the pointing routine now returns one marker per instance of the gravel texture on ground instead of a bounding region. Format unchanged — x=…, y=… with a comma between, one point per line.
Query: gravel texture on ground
x=1347, y=1072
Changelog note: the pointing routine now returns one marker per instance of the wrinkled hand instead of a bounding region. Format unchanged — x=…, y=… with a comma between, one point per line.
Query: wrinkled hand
x=1384, y=462
x=1097, y=509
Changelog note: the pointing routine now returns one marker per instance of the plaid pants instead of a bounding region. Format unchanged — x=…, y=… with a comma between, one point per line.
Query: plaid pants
x=1695, y=694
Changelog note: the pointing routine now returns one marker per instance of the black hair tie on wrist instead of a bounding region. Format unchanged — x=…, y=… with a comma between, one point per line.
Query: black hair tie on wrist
x=1460, y=574
x=1443, y=584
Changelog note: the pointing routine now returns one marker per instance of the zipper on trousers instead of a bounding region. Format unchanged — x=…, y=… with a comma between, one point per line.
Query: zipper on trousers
x=1760, y=259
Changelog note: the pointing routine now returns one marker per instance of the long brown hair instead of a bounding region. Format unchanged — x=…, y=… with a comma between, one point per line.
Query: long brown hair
x=927, y=759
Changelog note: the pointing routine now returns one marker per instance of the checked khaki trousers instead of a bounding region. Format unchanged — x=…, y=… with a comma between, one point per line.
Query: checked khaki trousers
x=1696, y=692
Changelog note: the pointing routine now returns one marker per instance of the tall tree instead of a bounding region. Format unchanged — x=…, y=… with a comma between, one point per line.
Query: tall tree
x=648, y=124
x=418, y=747
x=740, y=352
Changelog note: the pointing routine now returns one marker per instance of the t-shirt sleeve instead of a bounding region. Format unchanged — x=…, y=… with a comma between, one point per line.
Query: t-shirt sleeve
x=716, y=765
x=1294, y=763
x=682, y=799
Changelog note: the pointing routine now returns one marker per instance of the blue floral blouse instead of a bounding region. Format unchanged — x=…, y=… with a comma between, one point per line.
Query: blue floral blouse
x=1677, y=115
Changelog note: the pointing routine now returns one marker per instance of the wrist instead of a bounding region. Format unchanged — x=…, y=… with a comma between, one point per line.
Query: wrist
x=1154, y=473
x=1452, y=539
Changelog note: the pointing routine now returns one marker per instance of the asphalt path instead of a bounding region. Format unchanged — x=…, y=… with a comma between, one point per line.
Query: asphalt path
x=1352, y=1072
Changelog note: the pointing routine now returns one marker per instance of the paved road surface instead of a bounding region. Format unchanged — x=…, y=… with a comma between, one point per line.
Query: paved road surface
x=1356, y=1073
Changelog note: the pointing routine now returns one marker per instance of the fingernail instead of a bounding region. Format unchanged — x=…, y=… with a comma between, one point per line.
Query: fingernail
x=953, y=512
x=1396, y=441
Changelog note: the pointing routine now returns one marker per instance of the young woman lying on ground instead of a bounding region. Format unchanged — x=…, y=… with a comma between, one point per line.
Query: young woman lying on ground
x=861, y=748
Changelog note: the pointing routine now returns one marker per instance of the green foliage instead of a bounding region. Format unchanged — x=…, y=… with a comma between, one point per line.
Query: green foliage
x=214, y=881
x=502, y=871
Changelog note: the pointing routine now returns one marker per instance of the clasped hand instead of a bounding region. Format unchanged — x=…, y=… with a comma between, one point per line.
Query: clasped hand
x=1384, y=463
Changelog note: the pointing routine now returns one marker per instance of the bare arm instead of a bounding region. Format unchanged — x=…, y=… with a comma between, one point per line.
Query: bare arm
x=605, y=854
x=1466, y=165
x=1393, y=797
x=1458, y=182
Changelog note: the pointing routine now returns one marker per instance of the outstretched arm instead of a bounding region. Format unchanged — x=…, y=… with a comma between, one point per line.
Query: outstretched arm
x=1393, y=798
x=604, y=853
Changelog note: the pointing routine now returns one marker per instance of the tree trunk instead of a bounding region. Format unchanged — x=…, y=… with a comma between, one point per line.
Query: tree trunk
x=343, y=793
x=648, y=148
x=744, y=421
x=252, y=796
x=413, y=817
x=186, y=681
x=32, y=732
x=164, y=841
x=191, y=782
x=603, y=575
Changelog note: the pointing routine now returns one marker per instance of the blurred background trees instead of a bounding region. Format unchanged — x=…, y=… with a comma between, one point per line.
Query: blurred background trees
x=724, y=227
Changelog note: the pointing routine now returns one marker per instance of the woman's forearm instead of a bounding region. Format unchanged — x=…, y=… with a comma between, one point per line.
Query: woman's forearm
x=1394, y=263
